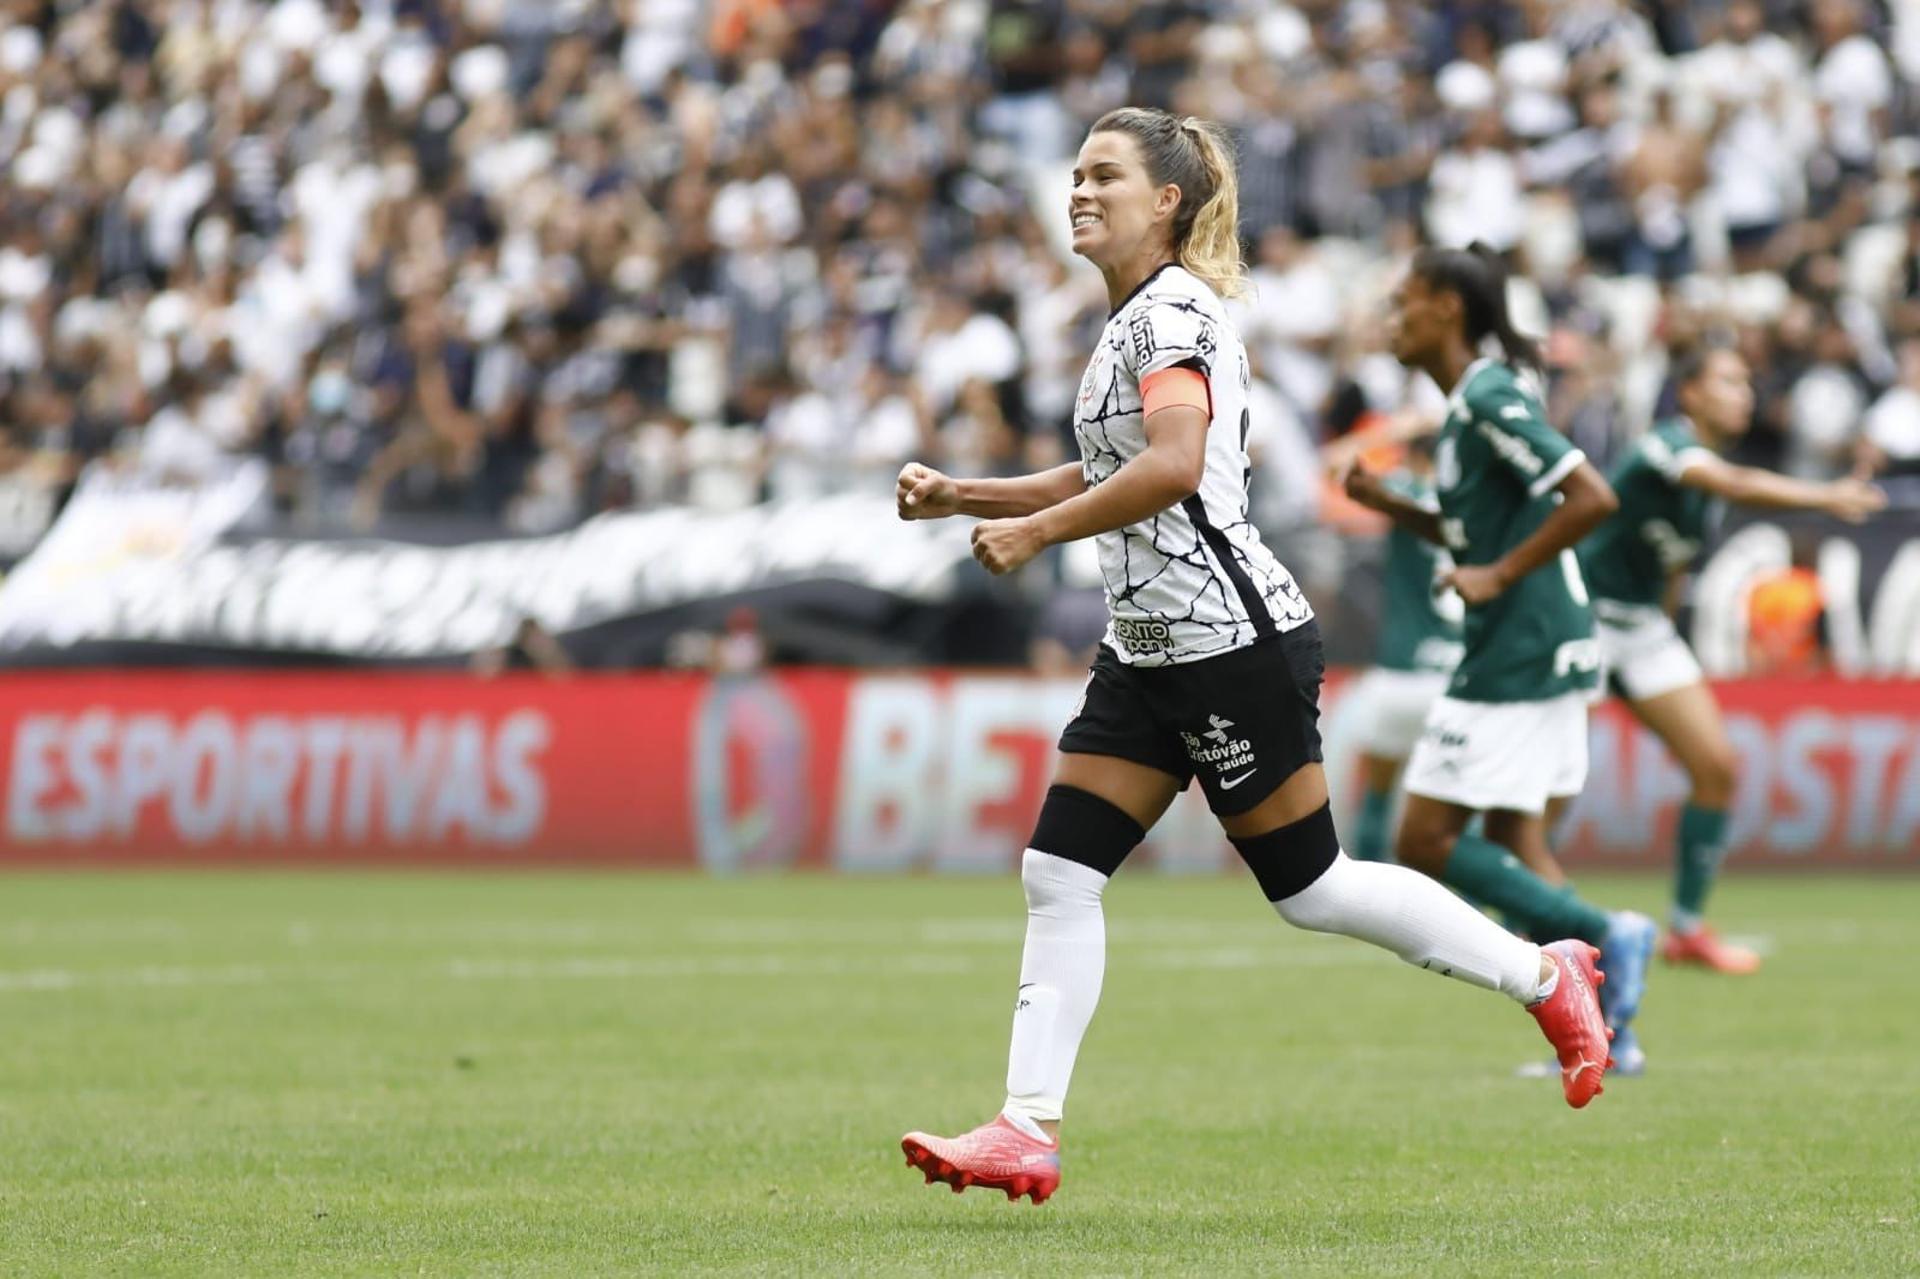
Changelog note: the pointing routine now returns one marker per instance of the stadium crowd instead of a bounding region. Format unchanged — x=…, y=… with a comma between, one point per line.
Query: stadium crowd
x=523, y=260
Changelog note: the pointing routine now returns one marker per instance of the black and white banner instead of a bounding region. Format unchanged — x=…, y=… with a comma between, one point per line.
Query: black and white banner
x=135, y=571
x=125, y=568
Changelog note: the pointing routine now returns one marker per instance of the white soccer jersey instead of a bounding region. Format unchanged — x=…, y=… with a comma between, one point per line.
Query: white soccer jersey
x=1195, y=580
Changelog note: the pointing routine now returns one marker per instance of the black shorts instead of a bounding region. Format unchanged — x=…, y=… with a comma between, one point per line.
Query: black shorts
x=1243, y=722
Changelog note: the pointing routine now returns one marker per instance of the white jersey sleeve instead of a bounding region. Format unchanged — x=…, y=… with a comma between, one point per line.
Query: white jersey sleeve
x=1195, y=580
x=1171, y=333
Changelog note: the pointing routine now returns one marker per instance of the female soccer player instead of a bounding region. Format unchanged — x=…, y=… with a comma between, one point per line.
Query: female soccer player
x=1418, y=648
x=1667, y=483
x=1211, y=664
x=1510, y=736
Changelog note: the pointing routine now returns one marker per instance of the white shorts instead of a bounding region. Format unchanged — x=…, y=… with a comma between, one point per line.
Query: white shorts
x=1395, y=706
x=1501, y=755
x=1644, y=653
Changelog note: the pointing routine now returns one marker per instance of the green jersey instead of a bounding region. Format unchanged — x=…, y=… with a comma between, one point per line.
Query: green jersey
x=1419, y=620
x=1660, y=523
x=1497, y=464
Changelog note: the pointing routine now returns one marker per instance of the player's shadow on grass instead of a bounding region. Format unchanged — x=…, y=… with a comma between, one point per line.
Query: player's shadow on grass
x=1105, y=1227
x=1183, y=1238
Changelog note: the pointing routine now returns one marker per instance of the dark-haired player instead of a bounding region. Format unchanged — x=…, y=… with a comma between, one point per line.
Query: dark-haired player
x=1212, y=662
x=1667, y=484
x=1509, y=739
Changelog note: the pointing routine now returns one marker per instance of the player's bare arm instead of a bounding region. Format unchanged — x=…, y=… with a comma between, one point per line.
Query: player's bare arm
x=1401, y=427
x=922, y=493
x=1366, y=488
x=1586, y=500
x=1165, y=473
x=1847, y=499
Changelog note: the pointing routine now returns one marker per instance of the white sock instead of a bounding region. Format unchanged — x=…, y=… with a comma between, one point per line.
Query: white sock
x=1026, y=1124
x=1419, y=920
x=1061, y=969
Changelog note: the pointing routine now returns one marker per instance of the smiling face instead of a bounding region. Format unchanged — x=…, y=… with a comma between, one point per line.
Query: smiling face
x=1115, y=207
x=1720, y=397
x=1421, y=320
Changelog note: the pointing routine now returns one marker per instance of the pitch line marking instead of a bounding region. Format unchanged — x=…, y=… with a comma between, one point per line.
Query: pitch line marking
x=630, y=968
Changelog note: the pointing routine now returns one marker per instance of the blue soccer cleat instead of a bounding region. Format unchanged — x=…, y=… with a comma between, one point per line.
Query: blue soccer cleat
x=1624, y=958
x=1629, y=1058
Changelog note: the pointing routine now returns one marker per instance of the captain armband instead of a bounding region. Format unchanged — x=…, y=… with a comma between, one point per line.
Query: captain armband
x=1175, y=388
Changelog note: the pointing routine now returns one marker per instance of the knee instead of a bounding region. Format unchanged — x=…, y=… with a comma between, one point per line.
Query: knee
x=1079, y=830
x=1054, y=883
x=1287, y=860
x=1313, y=907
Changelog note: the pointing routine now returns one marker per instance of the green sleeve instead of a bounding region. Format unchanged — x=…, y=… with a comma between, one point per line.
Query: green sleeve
x=1671, y=456
x=1513, y=425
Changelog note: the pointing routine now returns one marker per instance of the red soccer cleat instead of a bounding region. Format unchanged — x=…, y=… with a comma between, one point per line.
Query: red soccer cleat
x=1570, y=1018
x=997, y=1156
x=1703, y=946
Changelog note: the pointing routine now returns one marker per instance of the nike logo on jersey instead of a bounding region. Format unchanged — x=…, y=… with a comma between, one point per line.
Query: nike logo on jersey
x=1230, y=783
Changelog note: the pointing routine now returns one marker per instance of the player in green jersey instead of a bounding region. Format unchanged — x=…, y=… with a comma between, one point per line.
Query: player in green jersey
x=1667, y=483
x=1509, y=740
x=1418, y=648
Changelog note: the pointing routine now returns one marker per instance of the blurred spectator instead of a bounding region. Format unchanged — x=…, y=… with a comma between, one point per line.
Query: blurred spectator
x=1825, y=406
x=1583, y=398
x=531, y=648
x=807, y=441
x=886, y=426
x=1292, y=316
x=28, y=484
x=740, y=649
x=1904, y=316
x=1022, y=40
x=1890, y=438
x=1754, y=82
x=1587, y=163
x=520, y=263
x=1661, y=176
x=957, y=344
x=1853, y=84
x=1476, y=188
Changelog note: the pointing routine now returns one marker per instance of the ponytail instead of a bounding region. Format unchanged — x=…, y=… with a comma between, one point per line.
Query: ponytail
x=1477, y=275
x=1211, y=246
x=1196, y=156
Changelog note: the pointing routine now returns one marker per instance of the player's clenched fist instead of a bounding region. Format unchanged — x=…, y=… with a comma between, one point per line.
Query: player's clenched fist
x=1002, y=546
x=922, y=493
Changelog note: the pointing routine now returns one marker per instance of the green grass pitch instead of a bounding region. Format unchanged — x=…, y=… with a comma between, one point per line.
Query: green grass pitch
x=224, y=1074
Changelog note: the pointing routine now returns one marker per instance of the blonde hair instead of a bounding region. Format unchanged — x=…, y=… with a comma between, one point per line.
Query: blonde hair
x=1196, y=156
